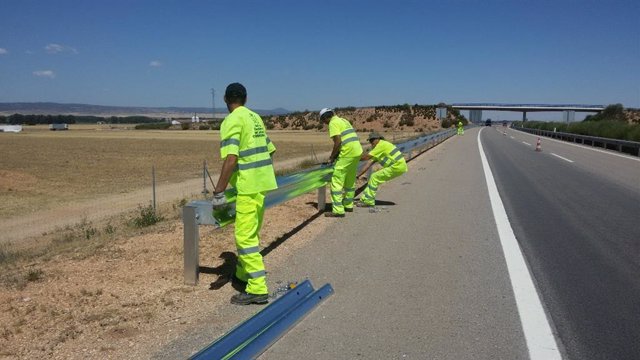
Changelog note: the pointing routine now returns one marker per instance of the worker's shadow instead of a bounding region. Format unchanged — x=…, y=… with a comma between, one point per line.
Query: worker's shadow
x=224, y=271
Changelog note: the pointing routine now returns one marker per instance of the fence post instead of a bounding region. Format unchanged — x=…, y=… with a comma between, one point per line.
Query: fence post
x=153, y=185
x=191, y=252
x=322, y=198
x=204, y=178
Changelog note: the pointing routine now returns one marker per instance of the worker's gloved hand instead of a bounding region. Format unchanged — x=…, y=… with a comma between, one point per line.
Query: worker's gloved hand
x=328, y=162
x=219, y=201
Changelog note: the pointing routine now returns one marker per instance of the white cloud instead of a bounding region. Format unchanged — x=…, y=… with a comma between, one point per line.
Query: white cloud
x=54, y=48
x=3, y=51
x=155, y=63
x=44, y=73
x=57, y=48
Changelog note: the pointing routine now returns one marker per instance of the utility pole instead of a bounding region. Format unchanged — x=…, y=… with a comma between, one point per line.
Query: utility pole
x=213, y=104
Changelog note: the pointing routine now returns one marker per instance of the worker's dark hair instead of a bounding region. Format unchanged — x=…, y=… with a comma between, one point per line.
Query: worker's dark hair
x=236, y=93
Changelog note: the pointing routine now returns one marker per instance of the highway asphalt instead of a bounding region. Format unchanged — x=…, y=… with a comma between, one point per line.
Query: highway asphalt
x=575, y=213
x=425, y=277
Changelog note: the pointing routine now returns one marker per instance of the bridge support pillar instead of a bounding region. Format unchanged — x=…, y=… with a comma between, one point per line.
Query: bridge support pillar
x=569, y=116
x=475, y=116
x=524, y=116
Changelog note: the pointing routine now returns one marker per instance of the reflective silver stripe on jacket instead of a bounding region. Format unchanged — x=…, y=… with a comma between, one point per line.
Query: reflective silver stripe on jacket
x=347, y=132
x=257, y=274
x=230, y=142
x=398, y=157
x=247, y=251
x=254, y=151
x=350, y=140
x=255, y=164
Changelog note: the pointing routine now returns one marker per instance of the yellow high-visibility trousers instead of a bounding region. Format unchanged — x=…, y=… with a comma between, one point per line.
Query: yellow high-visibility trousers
x=250, y=267
x=378, y=178
x=343, y=183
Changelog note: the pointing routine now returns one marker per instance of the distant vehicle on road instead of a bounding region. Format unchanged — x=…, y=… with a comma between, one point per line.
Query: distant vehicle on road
x=488, y=122
x=54, y=127
x=504, y=123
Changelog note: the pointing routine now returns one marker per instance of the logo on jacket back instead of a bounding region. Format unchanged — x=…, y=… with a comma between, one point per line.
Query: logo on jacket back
x=258, y=128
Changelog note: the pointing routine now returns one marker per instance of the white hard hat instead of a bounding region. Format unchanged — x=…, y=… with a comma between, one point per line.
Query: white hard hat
x=325, y=110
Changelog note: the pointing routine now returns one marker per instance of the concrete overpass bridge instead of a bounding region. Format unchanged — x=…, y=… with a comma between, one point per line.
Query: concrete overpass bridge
x=569, y=110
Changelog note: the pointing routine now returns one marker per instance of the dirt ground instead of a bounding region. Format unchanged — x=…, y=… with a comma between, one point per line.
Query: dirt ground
x=127, y=297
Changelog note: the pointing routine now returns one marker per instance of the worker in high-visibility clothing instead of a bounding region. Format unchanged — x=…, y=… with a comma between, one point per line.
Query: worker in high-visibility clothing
x=460, y=128
x=345, y=156
x=246, y=151
x=393, y=165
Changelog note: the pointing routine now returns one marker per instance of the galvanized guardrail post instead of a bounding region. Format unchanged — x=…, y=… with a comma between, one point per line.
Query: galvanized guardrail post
x=191, y=240
x=322, y=198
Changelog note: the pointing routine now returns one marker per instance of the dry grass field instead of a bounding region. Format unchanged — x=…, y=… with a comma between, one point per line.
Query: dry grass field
x=41, y=169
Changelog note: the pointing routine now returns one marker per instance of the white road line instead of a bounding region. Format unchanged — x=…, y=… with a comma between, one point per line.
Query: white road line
x=562, y=157
x=526, y=143
x=537, y=331
x=587, y=147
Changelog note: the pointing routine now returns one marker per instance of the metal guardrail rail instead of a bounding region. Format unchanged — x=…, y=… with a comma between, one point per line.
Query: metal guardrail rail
x=199, y=212
x=252, y=337
x=631, y=147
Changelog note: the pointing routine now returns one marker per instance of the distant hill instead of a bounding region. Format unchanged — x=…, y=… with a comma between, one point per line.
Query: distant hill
x=418, y=118
x=50, y=108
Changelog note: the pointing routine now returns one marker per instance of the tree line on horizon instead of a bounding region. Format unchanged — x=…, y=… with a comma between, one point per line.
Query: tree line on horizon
x=33, y=119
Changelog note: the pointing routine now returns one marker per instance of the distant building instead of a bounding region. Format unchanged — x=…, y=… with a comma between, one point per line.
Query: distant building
x=54, y=127
x=11, y=128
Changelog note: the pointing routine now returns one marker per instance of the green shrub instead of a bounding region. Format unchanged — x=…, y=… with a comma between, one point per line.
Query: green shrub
x=146, y=217
x=185, y=126
x=34, y=275
x=204, y=127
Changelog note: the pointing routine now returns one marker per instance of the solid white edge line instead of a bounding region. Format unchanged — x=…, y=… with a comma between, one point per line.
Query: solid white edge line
x=537, y=332
x=586, y=147
x=562, y=157
x=526, y=143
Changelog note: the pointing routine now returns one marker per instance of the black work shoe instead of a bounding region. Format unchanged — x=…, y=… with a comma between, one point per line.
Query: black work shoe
x=348, y=209
x=248, y=299
x=331, y=214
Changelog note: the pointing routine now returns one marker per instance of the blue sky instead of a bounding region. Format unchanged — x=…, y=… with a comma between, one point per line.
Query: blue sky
x=309, y=54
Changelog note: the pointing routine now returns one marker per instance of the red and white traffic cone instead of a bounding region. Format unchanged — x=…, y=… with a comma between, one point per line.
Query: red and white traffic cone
x=538, y=146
